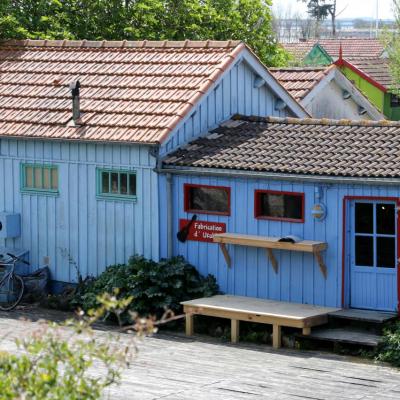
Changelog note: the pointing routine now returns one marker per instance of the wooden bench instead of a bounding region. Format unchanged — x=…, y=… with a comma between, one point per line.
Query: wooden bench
x=276, y=313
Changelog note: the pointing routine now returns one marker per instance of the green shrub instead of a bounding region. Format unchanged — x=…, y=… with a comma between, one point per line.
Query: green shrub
x=59, y=361
x=389, y=348
x=154, y=286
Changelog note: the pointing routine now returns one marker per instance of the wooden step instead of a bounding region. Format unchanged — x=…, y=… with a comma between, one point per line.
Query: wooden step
x=368, y=316
x=344, y=336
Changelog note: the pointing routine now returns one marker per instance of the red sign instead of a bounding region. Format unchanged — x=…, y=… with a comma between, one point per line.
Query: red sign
x=202, y=231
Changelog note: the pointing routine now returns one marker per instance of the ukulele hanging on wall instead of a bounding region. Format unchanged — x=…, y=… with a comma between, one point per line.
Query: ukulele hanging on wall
x=183, y=234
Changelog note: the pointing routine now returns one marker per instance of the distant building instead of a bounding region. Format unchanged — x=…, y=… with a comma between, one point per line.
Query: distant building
x=326, y=93
x=326, y=51
x=372, y=76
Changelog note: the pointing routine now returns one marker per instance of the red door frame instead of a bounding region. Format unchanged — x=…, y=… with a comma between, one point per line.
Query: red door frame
x=372, y=198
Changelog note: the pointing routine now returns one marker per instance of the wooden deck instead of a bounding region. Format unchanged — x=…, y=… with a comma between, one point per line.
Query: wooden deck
x=174, y=367
x=277, y=313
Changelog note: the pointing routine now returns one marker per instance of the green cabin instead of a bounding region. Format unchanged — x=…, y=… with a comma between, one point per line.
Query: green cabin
x=372, y=77
x=317, y=57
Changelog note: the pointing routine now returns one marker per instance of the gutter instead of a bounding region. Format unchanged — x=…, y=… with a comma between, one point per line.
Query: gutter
x=79, y=140
x=279, y=176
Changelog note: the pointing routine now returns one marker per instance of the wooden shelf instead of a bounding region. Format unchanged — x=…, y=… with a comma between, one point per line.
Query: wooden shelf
x=270, y=243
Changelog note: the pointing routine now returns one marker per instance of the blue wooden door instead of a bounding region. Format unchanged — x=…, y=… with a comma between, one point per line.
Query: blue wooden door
x=373, y=255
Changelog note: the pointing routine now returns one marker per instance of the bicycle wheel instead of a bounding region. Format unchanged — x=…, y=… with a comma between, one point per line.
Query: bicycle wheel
x=11, y=292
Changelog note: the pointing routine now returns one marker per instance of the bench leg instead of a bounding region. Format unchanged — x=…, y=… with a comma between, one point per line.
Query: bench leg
x=235, y=324
x=189, y=324
x=306, y=331
x=276, y=336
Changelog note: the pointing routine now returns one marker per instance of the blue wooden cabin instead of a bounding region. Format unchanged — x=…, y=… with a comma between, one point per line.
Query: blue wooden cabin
x=108, y=149
x=335, y=182
x=83, y=125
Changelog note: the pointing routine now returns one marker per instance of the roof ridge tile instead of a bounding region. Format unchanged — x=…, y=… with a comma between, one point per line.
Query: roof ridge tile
x=316, y=121
x=121, y=44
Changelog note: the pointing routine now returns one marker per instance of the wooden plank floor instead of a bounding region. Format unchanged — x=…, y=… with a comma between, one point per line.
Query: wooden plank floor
x=171, y=366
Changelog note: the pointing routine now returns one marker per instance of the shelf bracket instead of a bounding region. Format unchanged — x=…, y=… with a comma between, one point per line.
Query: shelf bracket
x=225, y=252
x=321, y=264
x=272, y=258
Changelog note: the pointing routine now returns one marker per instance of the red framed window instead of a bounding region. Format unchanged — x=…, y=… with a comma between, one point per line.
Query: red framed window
x=279, y=206
x=203, y=199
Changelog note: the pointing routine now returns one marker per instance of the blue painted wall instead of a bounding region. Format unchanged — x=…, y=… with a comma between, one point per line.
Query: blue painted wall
x=299, y=278
x=75, y=226
x=233, y=93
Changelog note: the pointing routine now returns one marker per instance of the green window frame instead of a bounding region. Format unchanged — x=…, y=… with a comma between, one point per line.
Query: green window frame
x=39, y=178
x=116, y=184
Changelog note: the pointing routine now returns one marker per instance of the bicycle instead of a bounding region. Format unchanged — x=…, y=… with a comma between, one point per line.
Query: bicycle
x=11, y=285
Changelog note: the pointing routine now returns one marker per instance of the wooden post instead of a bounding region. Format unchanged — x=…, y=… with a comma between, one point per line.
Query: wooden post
x=276, y=336
x=235, y=324
x=189, y=324
x=306, y=331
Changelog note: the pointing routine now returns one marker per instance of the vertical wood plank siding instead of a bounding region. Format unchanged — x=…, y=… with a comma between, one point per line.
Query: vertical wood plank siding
x=233, y=94
x=76, y=226
x=299, y=278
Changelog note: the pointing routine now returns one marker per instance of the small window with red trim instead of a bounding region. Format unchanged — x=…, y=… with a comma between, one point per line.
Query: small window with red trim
x=202, y=199
x=283, y=206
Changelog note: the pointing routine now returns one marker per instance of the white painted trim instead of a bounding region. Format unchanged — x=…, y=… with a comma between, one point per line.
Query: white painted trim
x=319, y=87
x=345, y=84
x=357, y=96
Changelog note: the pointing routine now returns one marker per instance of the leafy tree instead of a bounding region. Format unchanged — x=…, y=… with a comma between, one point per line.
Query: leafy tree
x=393, y=49
x=248, y=20
x=57, y=361
x=321, y=10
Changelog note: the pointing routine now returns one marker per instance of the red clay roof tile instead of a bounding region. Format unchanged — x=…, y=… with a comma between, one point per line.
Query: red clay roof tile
x=351, y=47
x=130, y=91
x=377, y=69
x=301, y=80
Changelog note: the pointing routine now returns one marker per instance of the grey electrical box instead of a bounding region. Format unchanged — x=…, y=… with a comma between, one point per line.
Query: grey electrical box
x=10, y=225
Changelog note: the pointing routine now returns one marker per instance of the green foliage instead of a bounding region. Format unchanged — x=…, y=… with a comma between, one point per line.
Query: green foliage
x=392, y=44
x=247, y=20
x=319, y=9
x=154, y=287
x=58, y=363
x=389, y=349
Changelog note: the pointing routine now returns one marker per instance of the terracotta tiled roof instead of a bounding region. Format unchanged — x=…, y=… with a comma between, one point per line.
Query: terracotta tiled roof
x=299, y=50
x=295, y=146
x=300, y=81
x=130, y=91
x=376, y=68
x=351, y=47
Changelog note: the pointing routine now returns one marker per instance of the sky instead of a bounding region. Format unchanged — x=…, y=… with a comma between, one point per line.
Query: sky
x=351, y=8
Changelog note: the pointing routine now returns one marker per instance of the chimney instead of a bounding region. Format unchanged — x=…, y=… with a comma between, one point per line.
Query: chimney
x=76, y=111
